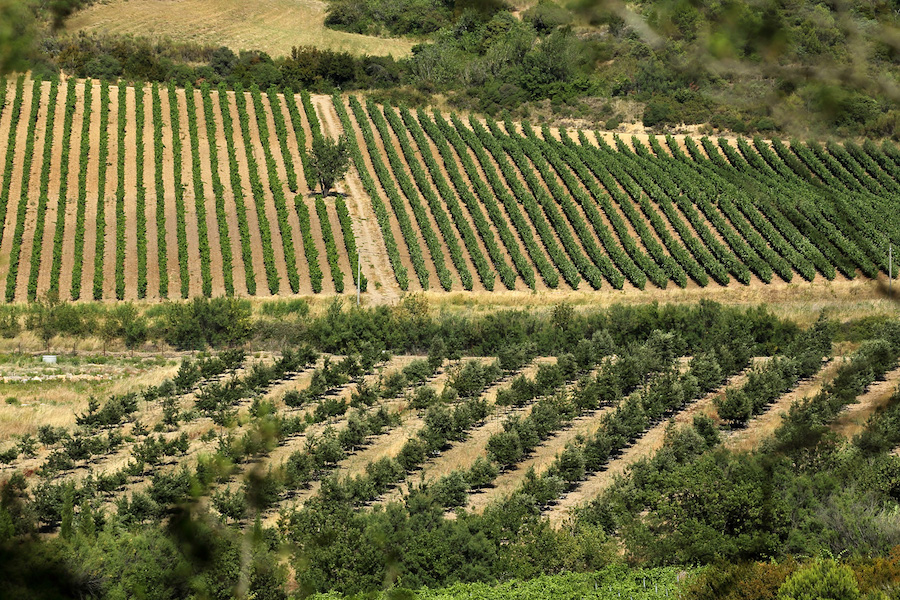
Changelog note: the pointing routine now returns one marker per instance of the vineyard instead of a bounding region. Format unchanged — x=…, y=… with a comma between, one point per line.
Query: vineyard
x=155, y=192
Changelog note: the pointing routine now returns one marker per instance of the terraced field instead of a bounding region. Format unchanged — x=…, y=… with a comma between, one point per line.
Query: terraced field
x=157, y=192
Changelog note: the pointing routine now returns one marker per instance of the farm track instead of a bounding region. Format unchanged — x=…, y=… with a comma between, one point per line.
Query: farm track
x=373, y=251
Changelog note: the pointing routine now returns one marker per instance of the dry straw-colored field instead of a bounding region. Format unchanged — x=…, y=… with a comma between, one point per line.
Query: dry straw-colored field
x=272, y=26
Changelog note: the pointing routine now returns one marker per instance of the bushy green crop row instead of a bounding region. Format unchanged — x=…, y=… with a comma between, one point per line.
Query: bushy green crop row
x=199, y=196
x=331, y=250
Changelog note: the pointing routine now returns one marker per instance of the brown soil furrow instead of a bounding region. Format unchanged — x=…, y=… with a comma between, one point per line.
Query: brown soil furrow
x=109, y=206
x=853, y=418
x=216, y=265
x=432, y=222
x=256, y=245
x=268, y=201
x=68, y=240
x=190, y=207
x=765, y=424
x=131, y=232
x=149, y=197
x=328, y=119
x=367, y=210
x=169, y=200
x=37, y=165
x=90, y=210
x=646, y=445
x=492, y=164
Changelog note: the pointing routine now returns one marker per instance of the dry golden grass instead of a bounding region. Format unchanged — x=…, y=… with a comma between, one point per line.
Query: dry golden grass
x=273, y=26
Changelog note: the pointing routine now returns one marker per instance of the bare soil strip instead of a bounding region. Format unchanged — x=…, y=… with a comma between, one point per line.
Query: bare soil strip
x=149, y=197
x=131, y=232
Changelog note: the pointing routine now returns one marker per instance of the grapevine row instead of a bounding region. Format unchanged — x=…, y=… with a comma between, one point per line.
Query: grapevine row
x=281, y=133
x=450, y=199
x=237, y=190
x=412, y=195
x=284, y=226
x=257, y=191
x=350, y=242
x=120, y=193
x=218, y=191
x=458, y=135
x=23, y=196
x=141, y=195
x=577, y=158
x=309, y=246
x=409, y=235
x=11, y=150
x=290, y=101
x=180, y=213
x=81, y=207
x=160, y=194
x=37, y=241
x=331, y=250
x=499, y=151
